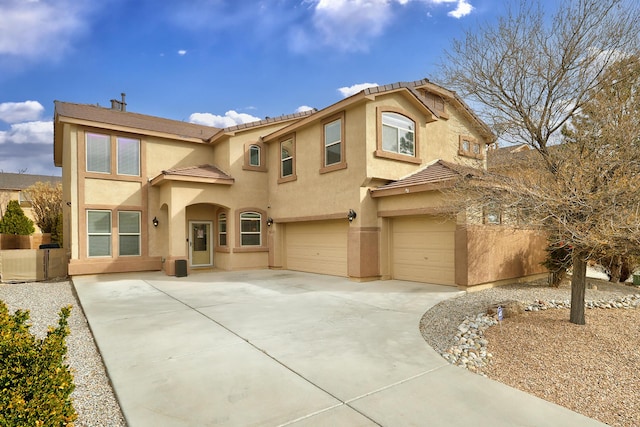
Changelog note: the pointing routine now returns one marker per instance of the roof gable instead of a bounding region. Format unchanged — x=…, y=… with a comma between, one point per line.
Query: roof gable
x=434, y=176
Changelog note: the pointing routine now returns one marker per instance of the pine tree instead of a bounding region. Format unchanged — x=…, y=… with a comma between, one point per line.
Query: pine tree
x=15, y=221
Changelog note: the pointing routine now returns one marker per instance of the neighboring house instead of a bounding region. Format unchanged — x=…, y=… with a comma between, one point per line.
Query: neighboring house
x=350, y=190
x=13, y=186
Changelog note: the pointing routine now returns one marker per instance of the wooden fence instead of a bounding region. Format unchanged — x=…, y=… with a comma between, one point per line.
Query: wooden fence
x=28, y=265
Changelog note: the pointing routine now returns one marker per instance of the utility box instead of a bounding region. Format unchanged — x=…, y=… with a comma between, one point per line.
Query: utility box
x=181, y=268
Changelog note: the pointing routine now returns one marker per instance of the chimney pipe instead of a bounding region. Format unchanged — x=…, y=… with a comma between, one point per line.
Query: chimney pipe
x=123, y=105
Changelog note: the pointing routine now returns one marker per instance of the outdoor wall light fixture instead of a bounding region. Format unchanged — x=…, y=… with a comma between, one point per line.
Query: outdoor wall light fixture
x=155, y=221
x=351, y=215
x=269, y=221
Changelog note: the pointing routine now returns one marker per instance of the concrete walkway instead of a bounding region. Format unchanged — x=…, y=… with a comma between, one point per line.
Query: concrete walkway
x=281, y=348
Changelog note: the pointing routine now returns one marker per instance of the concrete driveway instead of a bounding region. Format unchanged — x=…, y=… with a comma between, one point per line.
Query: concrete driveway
x=281, y=348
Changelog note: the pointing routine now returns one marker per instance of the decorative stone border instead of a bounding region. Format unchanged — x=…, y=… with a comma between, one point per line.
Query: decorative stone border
x=470, y=348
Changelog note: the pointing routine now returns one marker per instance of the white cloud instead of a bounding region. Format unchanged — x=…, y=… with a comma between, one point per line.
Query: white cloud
x=41, y=29
x=14, y=112
x=36, y=132
x=463, y=7
x=230, y=118
x=350, y=25
x=303, y=108
x=182, y=52
x=352, y=90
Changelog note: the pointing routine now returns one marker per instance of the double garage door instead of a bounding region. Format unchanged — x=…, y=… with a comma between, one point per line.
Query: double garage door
x=423, y=249
x=317, y=247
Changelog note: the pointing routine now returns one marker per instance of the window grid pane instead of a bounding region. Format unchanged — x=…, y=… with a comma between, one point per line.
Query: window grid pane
x=286, y=155
x=254, y=155
x=398, y=134
x=222, y=230
x=129, y=233
x=250, y=233
x=98, y=153
x=128, y=156
x=98, y=233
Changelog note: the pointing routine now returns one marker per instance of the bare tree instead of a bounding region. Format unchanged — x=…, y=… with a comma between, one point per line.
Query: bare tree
x=46, y=202
x=589, y=202
x=533, y=72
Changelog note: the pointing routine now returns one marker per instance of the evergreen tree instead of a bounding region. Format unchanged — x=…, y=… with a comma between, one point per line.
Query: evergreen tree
x=15, y=221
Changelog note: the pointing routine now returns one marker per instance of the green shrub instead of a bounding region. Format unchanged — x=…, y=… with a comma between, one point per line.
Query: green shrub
x=35, y=383
x=14, y=221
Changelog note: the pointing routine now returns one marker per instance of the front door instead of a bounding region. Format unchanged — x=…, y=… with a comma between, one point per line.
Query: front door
x=200, y=244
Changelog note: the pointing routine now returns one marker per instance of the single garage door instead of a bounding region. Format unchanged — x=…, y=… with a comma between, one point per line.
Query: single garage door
x=423, y=249
x=317, y=247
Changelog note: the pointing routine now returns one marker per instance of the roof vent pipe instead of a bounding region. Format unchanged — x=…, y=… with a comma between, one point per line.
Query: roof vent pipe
x=123, y=104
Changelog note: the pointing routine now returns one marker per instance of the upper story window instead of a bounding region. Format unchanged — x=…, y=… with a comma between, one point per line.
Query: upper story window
x=250, y=233
x=398, y=134
x=222, y=229
x=254, y=155
x=128, y=156
x=99, y=159
x=469, y=147
x=98, y=153
x=287, y=160
x=333, y=144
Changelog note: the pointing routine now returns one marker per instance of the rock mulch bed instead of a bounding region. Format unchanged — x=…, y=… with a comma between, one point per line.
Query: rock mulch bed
x=470, y=348
x=592, y=369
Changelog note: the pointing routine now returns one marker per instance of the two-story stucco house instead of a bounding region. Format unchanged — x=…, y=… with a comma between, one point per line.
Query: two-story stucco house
x=349, y=190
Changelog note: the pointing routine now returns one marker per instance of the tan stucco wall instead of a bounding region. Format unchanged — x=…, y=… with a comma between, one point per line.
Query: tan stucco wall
x=167, y=154
x=107, y=192
x=486, y=254
x=437, y=139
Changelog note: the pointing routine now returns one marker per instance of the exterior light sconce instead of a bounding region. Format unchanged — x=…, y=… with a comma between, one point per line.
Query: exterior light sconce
x=351, y=215
x=155, y=221
x=269, y=221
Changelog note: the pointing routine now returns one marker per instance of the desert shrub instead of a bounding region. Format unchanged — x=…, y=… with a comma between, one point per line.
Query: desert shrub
x=56, y=232
x=35, y=383
x=14, y=221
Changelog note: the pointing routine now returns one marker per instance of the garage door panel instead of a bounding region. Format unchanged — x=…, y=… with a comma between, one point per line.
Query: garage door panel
x=423, y=250
x=317, y=247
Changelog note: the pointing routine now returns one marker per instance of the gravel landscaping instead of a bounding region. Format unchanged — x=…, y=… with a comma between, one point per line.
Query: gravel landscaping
x=93, y=397
x=592, y=369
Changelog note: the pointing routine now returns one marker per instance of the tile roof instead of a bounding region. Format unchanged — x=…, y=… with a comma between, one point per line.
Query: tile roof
x=201, y=171
x=430, y=177
x=134, y=120
x=19, y=181
x=269, y=120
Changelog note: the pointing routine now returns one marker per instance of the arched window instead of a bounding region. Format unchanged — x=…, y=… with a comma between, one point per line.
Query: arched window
x=250, y=229
x=254, y=155
x=398, y=134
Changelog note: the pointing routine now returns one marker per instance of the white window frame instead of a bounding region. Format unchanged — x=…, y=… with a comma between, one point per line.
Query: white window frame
x=90, y=234
x=139, y=234
x=288, y=158
x=243, y=233
x=328, y=144
x=87, y=152
x=395, y=117
x=118, y=151
x=222, y=231
x=256, y=148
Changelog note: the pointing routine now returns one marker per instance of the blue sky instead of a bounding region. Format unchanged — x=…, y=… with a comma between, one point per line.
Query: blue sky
x=216, y=62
